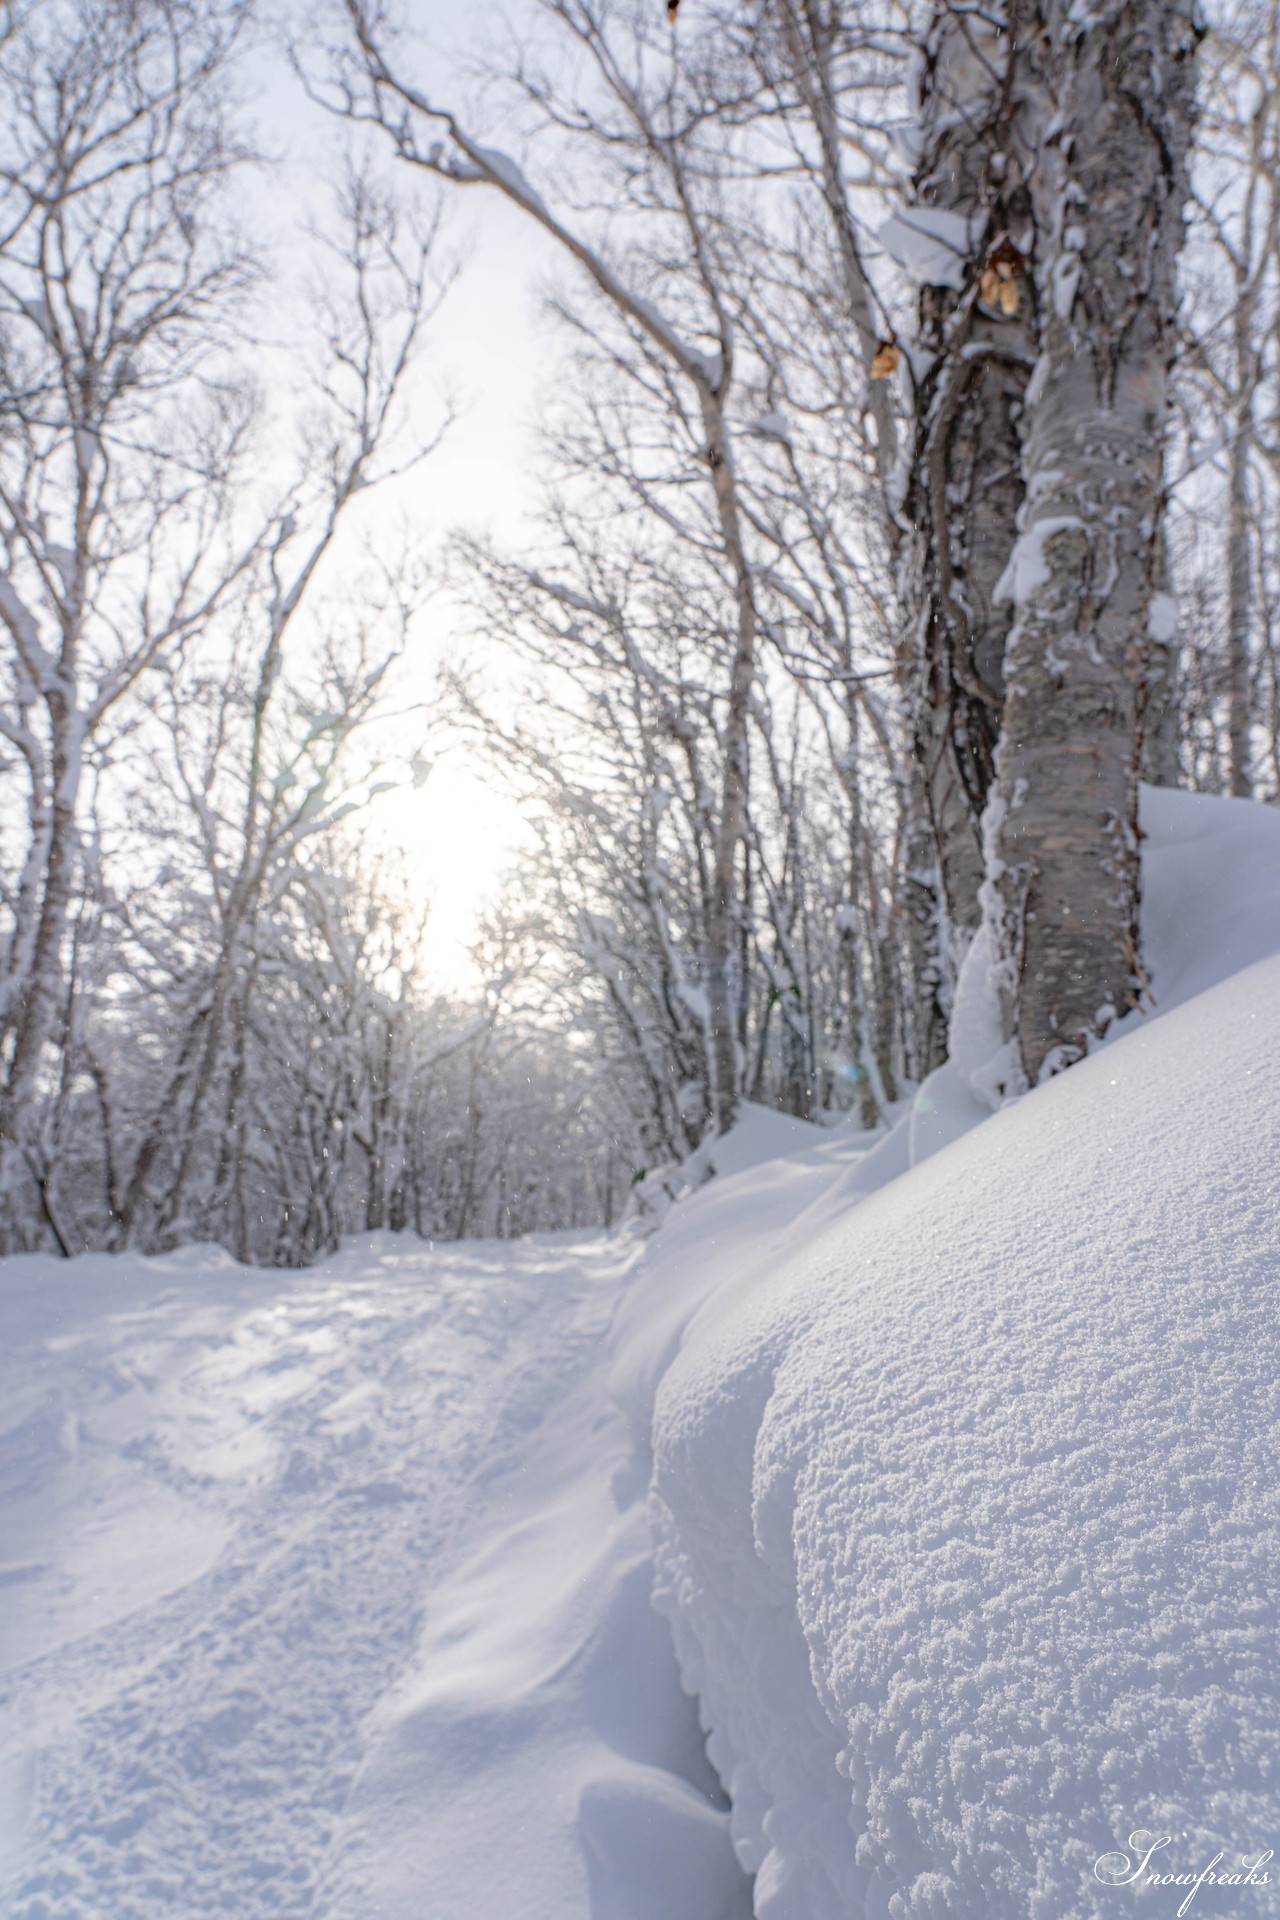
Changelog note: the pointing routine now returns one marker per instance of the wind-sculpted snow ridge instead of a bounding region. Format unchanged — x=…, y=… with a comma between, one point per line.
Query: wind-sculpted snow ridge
x=965, y=1505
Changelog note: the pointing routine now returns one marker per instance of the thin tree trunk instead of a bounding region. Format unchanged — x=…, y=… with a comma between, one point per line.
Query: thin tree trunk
x=722, y=984
x=1239, y=607
x=1160, y=712
x=864, y=935
x=1062, y=823
x=37, y=1001
x=923, y=935
x=20, y=954
x=207, y=1069
x=380, y=1096
x=471, y=1155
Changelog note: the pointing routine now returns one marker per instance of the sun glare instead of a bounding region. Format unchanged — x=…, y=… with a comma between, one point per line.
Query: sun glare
x=459, y=837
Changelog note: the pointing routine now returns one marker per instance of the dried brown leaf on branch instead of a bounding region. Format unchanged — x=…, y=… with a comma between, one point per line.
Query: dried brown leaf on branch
x=886, y=360
x=998, y=286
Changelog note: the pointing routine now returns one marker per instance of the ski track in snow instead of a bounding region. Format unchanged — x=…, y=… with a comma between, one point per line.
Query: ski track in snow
x=330, y=1432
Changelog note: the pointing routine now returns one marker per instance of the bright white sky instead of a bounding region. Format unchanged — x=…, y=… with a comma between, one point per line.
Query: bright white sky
x=490, y=347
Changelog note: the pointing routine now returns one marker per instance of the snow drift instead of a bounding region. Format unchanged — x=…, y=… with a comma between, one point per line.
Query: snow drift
x=965, y=1513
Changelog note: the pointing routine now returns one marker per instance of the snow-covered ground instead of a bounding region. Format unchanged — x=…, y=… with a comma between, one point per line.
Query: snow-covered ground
x=227, y=1498
x=328, y=1594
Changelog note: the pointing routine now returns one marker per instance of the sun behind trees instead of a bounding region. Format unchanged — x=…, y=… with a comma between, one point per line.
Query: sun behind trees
x=847, y=633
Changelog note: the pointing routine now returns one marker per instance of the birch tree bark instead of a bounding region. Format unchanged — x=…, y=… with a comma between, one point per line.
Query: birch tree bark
x=972, y=220
x=1109, y=120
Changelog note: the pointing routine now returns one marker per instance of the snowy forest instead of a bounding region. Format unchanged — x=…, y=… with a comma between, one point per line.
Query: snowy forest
x=787, y=673
x=752, y=1392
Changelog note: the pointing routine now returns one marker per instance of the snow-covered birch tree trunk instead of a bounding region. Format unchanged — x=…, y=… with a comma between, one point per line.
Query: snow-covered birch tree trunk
x=1109, y=123
x=970, y=228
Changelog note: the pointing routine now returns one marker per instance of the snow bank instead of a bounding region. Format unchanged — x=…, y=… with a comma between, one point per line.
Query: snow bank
x=1210, y=906
x=1211, y=891
x=965, y=1510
